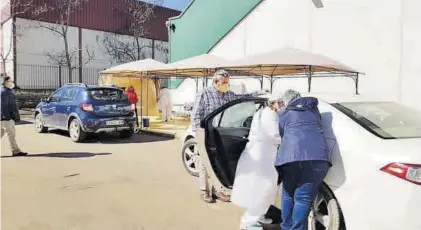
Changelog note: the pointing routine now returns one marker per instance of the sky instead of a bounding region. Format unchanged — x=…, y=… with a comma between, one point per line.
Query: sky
x=176, y=4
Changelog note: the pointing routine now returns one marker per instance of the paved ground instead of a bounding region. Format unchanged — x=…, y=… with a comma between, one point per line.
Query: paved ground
x=107, y=184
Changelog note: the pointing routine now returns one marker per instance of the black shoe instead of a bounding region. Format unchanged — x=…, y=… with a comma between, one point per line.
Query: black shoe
x=19, y=154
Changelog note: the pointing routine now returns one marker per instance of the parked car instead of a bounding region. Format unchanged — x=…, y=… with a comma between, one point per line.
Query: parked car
x=375, y=148
x=82, y=109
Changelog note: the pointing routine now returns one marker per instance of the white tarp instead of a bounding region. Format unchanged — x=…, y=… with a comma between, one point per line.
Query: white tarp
x=287, y=61
x=137, y=67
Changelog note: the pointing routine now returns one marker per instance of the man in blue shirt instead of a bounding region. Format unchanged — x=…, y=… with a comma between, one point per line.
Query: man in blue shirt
x=206, y=102
x=9, y=115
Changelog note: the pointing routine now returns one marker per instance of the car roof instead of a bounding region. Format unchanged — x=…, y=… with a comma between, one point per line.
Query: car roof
x=332, y=98
x=343, y=97
x=90, y=86
x=103, y=87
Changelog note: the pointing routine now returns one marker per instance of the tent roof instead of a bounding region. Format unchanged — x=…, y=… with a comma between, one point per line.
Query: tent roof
x=136, y=67
x=201, y=65
x=287, y=62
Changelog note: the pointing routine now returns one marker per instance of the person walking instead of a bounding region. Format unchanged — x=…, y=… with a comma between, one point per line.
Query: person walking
x=165, y=104
x=255, y=185
x=206, y=102
x=302, y=159
x=9, y=115
x=131, y=94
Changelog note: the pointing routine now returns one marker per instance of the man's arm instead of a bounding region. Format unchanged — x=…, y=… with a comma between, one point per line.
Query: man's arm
x=198, y=111
x=14, y=108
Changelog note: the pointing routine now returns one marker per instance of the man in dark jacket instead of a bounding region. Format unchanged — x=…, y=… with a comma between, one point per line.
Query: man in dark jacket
x=302, y=158
x=9, y=115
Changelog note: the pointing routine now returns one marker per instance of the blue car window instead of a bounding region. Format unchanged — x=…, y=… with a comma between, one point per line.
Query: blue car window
x=55, y=97
x=69, y=94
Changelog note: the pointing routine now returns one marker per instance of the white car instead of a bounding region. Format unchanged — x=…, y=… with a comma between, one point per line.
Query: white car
x=375, y=147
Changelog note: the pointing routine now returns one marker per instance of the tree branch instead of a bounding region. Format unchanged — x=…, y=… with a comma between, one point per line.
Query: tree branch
x=137, y=15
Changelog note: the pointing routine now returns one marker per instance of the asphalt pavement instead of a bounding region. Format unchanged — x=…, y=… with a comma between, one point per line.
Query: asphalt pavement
x=107, y=183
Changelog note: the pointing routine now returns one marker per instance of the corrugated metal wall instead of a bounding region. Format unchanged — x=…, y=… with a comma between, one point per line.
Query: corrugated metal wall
x=105, y=15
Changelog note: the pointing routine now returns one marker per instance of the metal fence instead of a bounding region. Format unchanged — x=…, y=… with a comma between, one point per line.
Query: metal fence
x=52, y=77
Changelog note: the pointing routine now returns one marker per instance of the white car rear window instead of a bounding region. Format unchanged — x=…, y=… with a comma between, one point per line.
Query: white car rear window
x=388, y=120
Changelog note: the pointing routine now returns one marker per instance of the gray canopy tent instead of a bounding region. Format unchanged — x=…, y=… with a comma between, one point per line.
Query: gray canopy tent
x=292, y=63
x=274, y=65
x=201, y=66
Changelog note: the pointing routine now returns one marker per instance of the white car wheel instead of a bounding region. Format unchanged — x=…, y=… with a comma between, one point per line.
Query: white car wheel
x=76, y=132
x=326, y=213
x=190, y=156
x=39, y=124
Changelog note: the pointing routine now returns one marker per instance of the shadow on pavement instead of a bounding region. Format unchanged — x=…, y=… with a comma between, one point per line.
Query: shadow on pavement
x=63, y=155
x=136, y=138
x=114, y=138
x=24, y=122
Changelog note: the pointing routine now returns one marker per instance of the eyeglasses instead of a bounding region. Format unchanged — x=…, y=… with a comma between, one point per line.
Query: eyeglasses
x=222, y=73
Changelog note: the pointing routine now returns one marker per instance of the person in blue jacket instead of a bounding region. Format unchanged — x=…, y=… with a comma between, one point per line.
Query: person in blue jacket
x=9, y=115
x=302, y=158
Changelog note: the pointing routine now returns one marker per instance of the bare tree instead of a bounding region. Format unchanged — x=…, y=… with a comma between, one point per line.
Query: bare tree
x=137, y=15
x=18, y=8
x=68, y=56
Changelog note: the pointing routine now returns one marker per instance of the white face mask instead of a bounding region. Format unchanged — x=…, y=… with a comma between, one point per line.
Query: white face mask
x=10, y=85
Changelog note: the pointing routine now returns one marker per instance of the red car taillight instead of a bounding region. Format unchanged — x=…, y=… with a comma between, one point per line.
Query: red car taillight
x=87, y=108
x=408, y=172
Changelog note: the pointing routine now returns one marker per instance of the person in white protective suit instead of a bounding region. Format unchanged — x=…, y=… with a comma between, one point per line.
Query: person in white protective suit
x=255, y=185
x=165, y=104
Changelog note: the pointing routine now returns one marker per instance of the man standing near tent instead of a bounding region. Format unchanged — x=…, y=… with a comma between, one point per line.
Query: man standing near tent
x=165, y=104
x=206, y=102
x=131, y=94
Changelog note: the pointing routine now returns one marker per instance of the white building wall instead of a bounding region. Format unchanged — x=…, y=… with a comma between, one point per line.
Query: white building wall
x=37, y=41
x=410, y=89
x=378, y=37
x=34, y=42
x=3, y=3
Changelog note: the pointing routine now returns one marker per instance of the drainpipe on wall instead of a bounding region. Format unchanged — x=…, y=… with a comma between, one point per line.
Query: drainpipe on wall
x=80, y=55
x=15, y=60
x=153, y=48
x=168, y=23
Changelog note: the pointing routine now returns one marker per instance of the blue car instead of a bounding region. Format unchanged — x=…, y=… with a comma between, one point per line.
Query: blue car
x=82, y=109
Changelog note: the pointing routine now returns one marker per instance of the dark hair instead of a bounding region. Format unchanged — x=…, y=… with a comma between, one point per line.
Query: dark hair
x=6, y=79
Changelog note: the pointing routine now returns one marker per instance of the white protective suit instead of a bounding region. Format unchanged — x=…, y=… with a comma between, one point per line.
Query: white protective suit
x=255, y=186
x=165, y=104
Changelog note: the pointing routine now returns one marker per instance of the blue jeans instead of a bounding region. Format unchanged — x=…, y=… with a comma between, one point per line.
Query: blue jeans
x=301, y=183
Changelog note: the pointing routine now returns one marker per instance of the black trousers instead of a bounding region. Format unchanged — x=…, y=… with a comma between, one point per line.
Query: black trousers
x=137, y=118
x=280, y=176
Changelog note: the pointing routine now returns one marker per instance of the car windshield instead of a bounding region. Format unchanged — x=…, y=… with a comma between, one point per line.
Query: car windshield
x=106, y=94
x=385, y=119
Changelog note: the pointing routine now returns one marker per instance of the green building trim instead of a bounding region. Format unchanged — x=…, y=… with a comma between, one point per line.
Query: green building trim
x=202, y=25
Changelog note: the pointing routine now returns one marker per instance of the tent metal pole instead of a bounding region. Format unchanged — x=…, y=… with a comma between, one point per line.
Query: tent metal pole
x=147, y=97
x=356, y=85
x=271, y=83
x=310, y=73
x=261, y=83
x=197, y=84
x=141, y=101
